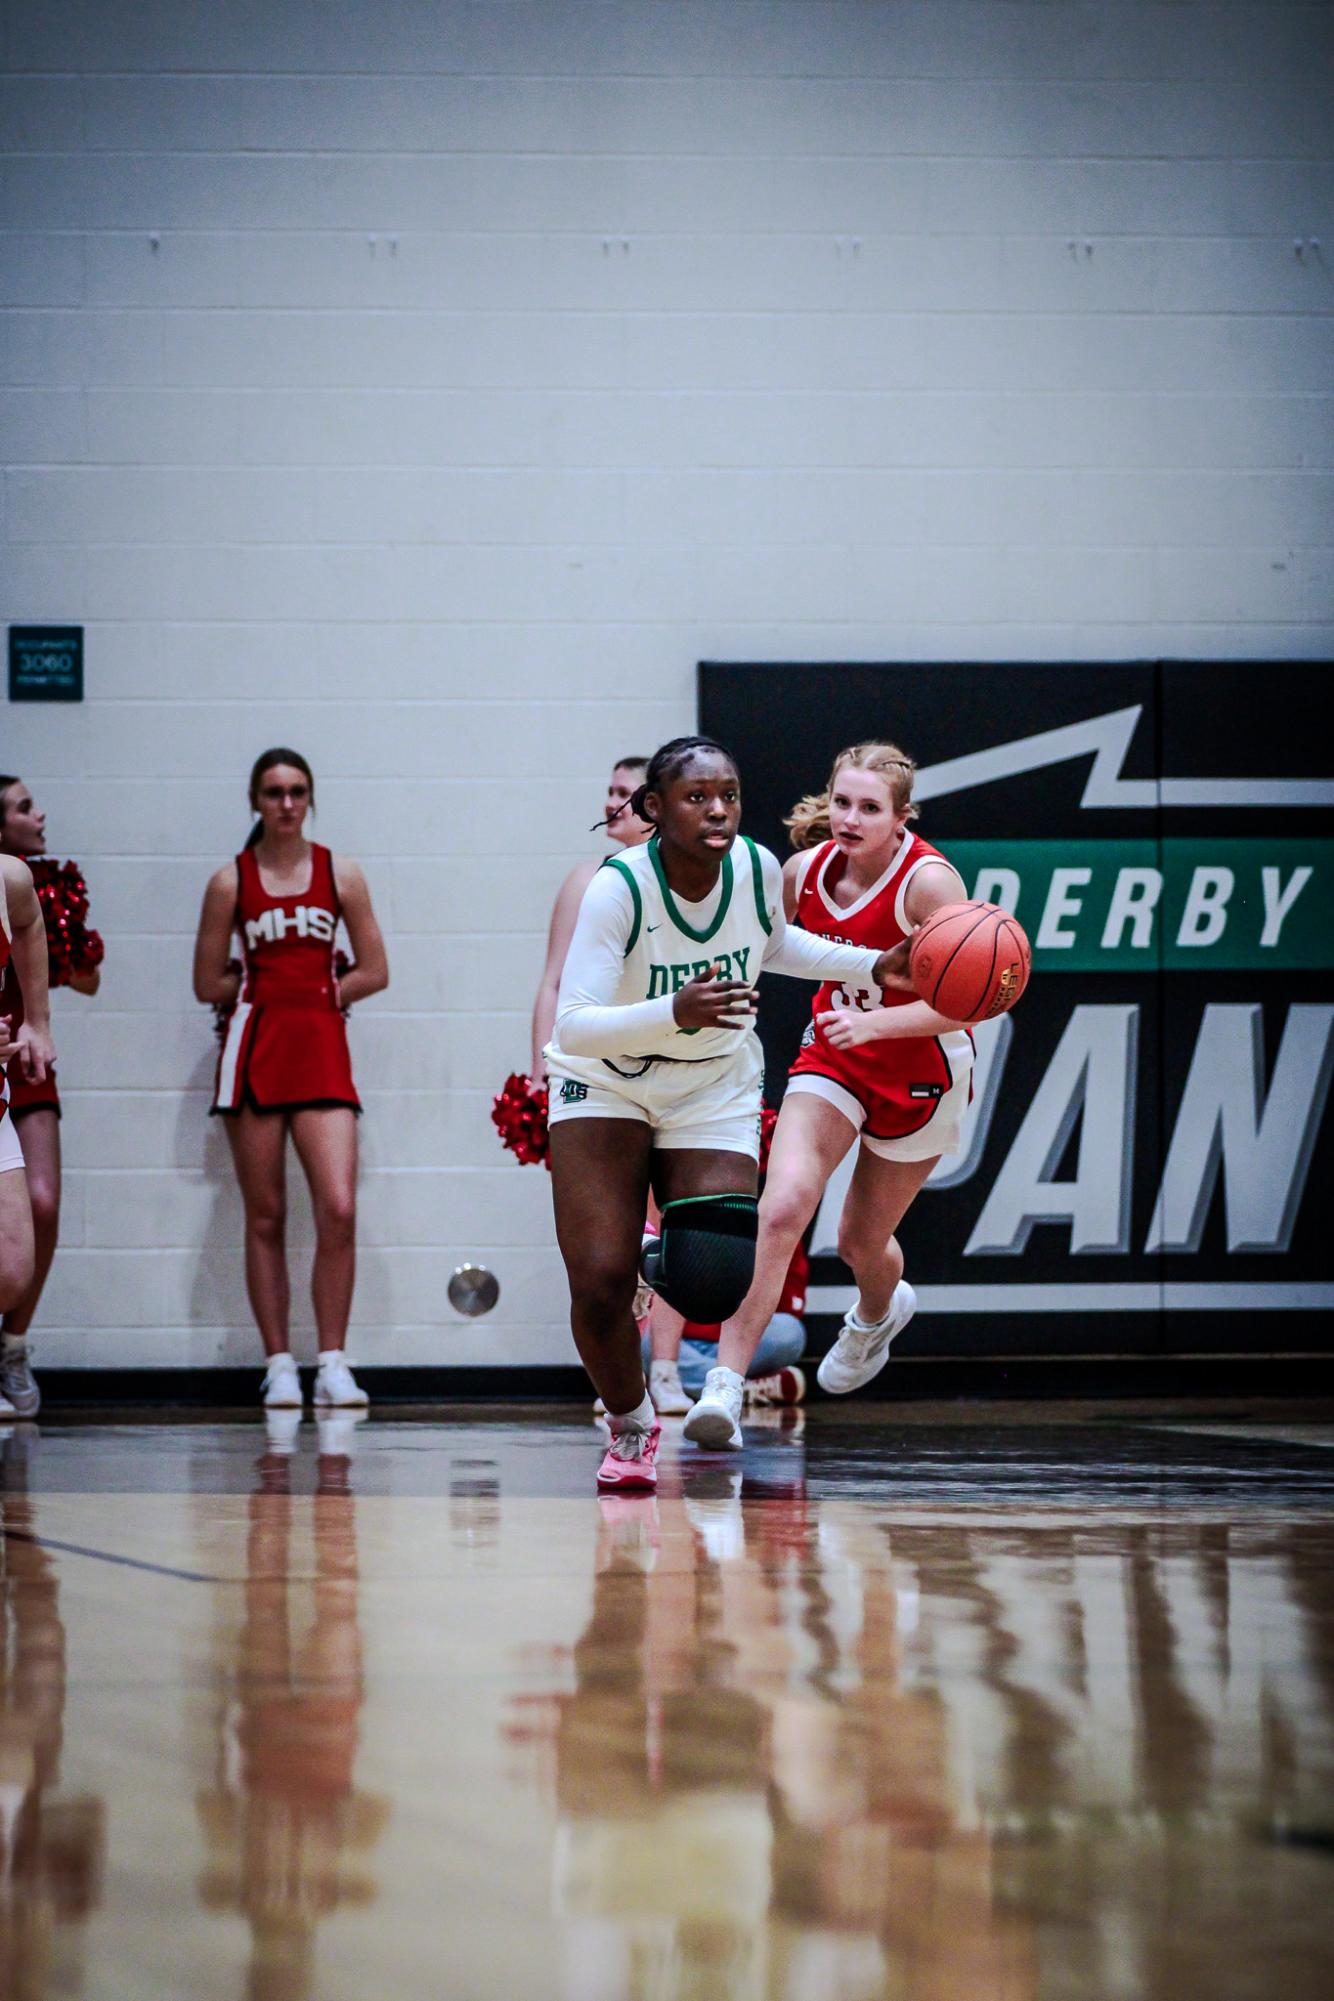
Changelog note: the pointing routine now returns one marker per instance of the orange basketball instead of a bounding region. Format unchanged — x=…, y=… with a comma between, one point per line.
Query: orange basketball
x=970, y=961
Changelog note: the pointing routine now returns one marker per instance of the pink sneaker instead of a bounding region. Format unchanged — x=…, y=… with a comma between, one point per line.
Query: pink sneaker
x=630, y=1459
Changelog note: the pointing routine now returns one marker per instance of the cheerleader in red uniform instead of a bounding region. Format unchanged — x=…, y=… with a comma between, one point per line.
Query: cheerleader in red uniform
x=880, y=1071
x=74, y=960
x=25, y=1052
x=284, y=1064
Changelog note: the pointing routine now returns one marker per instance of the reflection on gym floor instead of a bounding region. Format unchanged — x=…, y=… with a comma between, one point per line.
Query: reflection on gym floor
x=405, y=1710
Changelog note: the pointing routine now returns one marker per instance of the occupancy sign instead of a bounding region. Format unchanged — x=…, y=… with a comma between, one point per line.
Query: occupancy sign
x=46, y=663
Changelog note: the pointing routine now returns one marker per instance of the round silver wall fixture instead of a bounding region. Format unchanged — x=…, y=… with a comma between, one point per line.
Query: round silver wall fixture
x=473, y=1290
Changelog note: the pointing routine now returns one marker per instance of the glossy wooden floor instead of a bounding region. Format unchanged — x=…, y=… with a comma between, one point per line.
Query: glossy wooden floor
x=924, y=1705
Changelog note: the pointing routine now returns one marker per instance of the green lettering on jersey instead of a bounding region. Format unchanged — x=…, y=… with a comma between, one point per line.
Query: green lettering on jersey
x=657, y=982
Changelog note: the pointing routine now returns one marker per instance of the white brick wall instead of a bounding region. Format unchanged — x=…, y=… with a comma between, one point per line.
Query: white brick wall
x=432, y=384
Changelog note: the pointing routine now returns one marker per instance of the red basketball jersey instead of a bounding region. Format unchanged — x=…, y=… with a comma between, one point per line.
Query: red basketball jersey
x=899, y=1082
x=287, y=942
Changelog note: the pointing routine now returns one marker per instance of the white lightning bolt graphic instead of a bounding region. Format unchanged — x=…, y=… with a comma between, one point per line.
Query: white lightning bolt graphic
x=1108, y=737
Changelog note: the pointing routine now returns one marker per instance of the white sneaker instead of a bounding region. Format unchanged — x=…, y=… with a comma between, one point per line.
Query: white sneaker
x=281, y=1388
x=715, y=1420
x=335, y=1383
x=18, y=1386
x=666, y=1390
x=861, y=1352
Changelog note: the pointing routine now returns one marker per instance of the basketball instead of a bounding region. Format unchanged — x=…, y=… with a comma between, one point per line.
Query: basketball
x=970, y=961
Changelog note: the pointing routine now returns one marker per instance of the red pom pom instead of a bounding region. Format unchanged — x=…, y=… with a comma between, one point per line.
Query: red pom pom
x=72, y=949
x=519, y=1115
x=768, y=1120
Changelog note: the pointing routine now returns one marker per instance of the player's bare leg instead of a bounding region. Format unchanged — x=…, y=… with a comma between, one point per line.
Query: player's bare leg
x=325, y=1139
x=258, y=1141
x=16, y=1242
x=600, y=1182
x=878, y=1198
x=809, y=1141
x=38, y=1134
x=326, y=1143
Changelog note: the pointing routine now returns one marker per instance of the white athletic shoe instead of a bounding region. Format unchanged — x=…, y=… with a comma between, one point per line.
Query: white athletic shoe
x=666, y=1390
x=861, y=1352
x=281, y=1388
x=335, y=1383
x=715, y=1420
x=18, y=1385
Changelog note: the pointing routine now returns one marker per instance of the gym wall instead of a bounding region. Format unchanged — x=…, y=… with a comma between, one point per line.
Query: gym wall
x=432, y=386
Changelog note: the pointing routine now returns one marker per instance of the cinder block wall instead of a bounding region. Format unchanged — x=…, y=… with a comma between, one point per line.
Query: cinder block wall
x=431, y=385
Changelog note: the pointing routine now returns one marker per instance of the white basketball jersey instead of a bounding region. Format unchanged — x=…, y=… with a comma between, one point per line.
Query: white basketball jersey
x=671, y=941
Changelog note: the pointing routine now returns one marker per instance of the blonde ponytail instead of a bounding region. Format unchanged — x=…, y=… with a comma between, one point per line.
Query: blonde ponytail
x=808, y=822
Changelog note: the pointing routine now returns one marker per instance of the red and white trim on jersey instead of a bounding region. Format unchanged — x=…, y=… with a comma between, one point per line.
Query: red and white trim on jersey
x=286, y=1042
x=891, y=1091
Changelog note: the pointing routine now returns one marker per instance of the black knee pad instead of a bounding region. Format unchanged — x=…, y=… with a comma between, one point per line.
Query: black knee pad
x=704, y=1261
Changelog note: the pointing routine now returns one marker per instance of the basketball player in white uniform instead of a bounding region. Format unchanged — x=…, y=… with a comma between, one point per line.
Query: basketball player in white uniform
x=655, y=1073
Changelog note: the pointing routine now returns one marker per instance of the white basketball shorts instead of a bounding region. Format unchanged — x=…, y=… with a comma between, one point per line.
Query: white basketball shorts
x=715, y=1104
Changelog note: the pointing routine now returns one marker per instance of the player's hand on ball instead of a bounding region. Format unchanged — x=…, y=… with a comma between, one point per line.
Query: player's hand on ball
x=891, y=968
x=847, y=1027
x=710, y=1002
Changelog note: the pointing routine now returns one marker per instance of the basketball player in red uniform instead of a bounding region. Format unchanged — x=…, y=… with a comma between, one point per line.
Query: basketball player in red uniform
x=882, y=1071
x=25, y=1050
x=34, y=1106
x=284, y=1064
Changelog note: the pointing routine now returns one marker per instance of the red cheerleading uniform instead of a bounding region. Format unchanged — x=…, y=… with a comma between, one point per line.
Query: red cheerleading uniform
x=25, y=1096
x=286, y=1044
x=898, y=1084
x=5, y=1009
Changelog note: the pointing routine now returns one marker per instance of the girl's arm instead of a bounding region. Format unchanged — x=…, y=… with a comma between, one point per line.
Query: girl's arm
x=564, y=915
x=214, y=985
x=801, y=954
x=370, y=974
x=27, y=944
x=792, y=873
x=848, y=1027
x=934, y=885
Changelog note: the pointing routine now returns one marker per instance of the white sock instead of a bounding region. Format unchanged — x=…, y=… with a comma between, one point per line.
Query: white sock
x=661, y=1371
x=642, y=1418
x=731, y=1374
x=283, y=1355
x=9, y=1342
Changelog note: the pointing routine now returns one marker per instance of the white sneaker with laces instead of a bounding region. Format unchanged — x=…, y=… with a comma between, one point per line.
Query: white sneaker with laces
x=335, y=1383
x=715, y=1420
x=861, y=1352
x=281, y=1388
x=18, y=1385
x=666, y=1390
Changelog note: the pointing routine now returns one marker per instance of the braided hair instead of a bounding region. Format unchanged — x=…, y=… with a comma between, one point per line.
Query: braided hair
x=668, y=761
x=808, y=822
